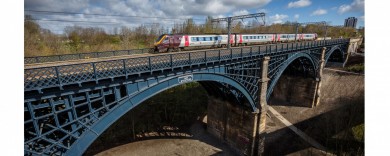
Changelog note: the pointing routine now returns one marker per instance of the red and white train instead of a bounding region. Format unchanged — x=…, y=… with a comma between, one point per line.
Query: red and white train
x=176, y=42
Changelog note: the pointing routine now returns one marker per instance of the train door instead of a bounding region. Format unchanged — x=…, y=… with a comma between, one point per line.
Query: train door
x=171, y=42
x=219, y=40
x=273, y=38
x=186, y=41
x=235, y=40
x=232, y=39
x=240, y=42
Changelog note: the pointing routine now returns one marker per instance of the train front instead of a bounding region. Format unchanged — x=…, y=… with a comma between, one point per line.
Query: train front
x=159, y=44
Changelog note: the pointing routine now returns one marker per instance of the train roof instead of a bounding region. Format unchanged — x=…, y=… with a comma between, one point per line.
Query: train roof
x=232, y=34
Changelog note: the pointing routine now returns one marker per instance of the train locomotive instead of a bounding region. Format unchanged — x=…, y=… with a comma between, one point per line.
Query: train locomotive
x=178, y=42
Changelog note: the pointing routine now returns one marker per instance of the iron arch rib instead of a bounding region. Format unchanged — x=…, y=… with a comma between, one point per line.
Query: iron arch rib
x=331, y=51
x=130, y=102
x=285, y=64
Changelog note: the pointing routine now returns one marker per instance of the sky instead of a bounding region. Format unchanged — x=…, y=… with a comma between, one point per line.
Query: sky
x=130, y=13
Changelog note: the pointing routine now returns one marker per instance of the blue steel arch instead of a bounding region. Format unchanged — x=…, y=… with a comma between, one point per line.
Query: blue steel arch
x=286, y=63
x=129, y=103
x=63, y=103
x=330, y=52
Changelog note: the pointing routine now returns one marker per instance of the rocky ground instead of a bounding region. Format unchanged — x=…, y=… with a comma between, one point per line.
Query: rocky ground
x=195, y=141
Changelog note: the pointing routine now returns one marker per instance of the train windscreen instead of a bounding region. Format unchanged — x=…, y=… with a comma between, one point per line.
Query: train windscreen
x=159, y=38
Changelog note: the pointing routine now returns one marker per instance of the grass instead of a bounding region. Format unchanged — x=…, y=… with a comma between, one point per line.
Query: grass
x=357, y=68
x=358, y=132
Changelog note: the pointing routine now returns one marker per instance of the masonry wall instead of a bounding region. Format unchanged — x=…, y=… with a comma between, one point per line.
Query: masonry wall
x=295, y=91
x=338, y=86
x=231, y=123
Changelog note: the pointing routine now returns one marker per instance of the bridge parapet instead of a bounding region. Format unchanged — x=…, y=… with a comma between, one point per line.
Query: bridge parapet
x=354, y=44
x=79, y=56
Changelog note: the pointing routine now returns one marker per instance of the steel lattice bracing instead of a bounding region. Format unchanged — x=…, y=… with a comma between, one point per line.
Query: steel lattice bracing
x=68, y=107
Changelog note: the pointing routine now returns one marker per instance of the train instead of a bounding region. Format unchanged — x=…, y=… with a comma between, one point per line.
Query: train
x=179, y=42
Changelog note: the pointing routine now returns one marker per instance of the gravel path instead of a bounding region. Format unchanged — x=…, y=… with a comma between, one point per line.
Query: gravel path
x=199, y=143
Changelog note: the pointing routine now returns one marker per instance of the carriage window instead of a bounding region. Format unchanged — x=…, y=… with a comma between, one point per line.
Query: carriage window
x=215, y=38
x=200, y=38
x=211, y=38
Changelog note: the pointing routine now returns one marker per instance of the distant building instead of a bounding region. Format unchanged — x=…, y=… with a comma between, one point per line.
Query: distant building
x=350, y=22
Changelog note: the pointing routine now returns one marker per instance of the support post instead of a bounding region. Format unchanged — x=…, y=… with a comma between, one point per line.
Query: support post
x=254, y=132
x=317, y=91
x=229, y=22
x=350, y=49
x=296, y=32
x=263, y=107
x=326, y=31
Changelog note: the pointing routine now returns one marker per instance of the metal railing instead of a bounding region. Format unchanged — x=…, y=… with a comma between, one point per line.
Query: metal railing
x=68, y=57
x=59, y=76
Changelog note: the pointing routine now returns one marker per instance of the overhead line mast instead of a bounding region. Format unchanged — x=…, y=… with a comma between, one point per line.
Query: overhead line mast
x=307, y=23
x=230, y=19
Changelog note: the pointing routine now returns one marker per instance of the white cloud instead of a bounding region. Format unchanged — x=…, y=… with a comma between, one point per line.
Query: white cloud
x=296, y=16
x=240, y=12
x=261, y=10
x=278, y=18
x=177, y=9
x=299, y=4
x=319, y=12
x=355, y=6
x=362, y=18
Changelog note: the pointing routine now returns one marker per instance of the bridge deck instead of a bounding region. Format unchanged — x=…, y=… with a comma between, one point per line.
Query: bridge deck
x=110, y=58
x=48, y=75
